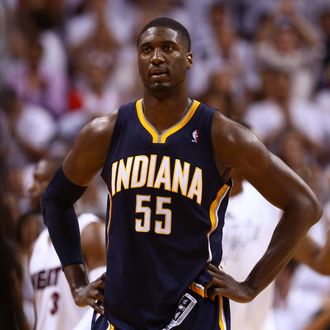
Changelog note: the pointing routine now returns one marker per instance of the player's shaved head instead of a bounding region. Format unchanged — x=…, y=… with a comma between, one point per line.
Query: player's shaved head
x=168, y=23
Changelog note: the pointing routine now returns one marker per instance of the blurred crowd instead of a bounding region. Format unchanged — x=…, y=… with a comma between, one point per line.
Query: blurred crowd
x=264, y=63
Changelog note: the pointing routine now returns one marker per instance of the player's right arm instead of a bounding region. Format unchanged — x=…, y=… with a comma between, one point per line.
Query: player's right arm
x=85, y=159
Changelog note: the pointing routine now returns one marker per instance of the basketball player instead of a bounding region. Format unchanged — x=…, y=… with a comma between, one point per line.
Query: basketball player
x=250, y=222
x=166, y=161
x=55, y=308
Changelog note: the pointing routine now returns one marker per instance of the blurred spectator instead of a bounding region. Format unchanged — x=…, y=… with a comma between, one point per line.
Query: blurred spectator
x=44, y=20
x=11, y=312
x=100, y=40
x=265, y=28
x=227, y=52
x=7, y=205
x=200, y=31
x=93, y=94
x=26, y=137
x=35, y=82
x=247, y=13
x=11, y=302
x=312, y=9
x=42, y=14
x=278, y=112
x=292, y=150
x=324, y=21
x=31, y=127
x=111, y=15
x=96, y=88
x=218, y=100
x=142, y=10
x=326, y=211
x=322, y=99
x=4, y=29
x=295, y=47
x=218, y=95
x=4, y=138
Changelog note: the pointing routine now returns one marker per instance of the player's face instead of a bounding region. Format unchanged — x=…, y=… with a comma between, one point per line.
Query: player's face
x=163, y=59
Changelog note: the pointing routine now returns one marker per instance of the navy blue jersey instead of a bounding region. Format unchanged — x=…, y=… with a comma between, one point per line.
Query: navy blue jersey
x=165, y=216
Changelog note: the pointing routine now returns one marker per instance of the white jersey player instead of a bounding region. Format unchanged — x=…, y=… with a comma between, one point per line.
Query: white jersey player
x=250, y=221
x=54, y=304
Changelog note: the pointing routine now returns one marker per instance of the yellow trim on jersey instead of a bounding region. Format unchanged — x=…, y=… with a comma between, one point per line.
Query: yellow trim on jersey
x=109, y=220
x=161, y=138
x=181, y=123
x=145, y=123
x=199, y=289
x=221, y=324
x=213, y=209
x=110, y=327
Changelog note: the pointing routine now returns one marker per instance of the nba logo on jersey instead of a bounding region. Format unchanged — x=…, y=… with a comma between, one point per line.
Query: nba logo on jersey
x=194, y=136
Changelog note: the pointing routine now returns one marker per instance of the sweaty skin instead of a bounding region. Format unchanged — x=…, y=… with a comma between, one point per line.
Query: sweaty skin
x=163, y=62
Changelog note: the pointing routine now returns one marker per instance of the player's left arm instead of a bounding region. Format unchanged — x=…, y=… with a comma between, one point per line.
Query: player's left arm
x=238, y=148
x=313, y=255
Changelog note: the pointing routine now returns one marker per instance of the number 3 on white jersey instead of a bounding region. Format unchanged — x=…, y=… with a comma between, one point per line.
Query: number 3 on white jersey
x=162, y=227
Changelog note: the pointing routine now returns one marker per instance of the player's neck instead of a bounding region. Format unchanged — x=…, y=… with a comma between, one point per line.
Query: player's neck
x=164, y=113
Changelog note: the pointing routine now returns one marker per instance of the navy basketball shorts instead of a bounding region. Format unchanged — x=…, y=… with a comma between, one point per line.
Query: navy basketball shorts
x=194, y=312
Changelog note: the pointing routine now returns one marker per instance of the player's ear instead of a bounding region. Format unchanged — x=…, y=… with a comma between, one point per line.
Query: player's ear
x=189, y=60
